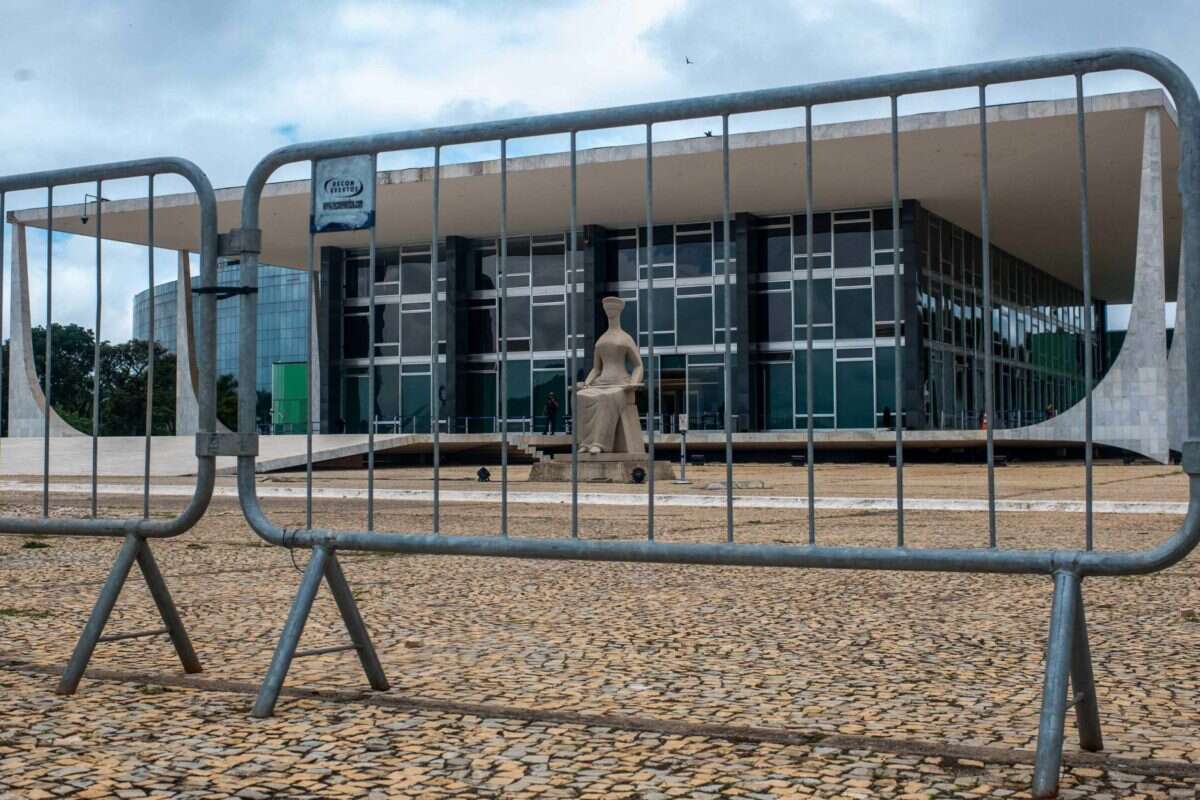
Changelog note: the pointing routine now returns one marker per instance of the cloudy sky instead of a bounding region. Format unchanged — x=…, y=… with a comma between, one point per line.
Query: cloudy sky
x=222, y=82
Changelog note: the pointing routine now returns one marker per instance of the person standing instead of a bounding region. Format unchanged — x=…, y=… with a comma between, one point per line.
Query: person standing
x=551, y=414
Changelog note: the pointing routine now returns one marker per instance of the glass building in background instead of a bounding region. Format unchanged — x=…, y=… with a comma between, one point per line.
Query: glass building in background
x=1037, y=326
x=281, y=320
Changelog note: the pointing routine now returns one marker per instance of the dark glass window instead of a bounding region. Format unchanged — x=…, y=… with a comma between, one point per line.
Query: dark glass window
x=357, y=280
x=774, y=316
x=485, y=269
x=664, y=310
x=387, y=324
x=516, y=317
x=387, y=266
x=387, y=392
x=481, y=401
x=822, y=382
x=549, y=265
x=622, y=260
x=821, y=234
x=549, y=327
x=695, y=320
x=854, y=314
x=822, y=301
x=852, y=245
x=775, y=250
x=481, y=322
x=883, y=228
x=415, y=338
x=518, y=256
x=855, y=395
x=693, y=256
x=416, y=274
x=414, y=403
x=885, y=309
x=355, y=332
x=517, y=378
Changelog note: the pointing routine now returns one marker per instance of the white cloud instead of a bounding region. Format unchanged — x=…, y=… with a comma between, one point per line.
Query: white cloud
x=224, y=82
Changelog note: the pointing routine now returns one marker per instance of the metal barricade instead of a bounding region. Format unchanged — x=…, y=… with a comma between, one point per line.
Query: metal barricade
x=1067, y=658
x=136, y=532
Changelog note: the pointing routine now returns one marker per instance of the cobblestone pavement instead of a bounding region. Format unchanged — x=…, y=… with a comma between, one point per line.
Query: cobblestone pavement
x=601, y=680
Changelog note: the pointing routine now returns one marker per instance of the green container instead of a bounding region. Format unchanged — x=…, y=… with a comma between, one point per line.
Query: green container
x=289, y=396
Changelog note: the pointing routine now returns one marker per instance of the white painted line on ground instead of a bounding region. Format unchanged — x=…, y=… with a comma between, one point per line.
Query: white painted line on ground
x=629, y=499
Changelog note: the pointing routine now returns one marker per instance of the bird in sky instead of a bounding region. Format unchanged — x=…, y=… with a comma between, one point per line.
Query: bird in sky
x=687, y=60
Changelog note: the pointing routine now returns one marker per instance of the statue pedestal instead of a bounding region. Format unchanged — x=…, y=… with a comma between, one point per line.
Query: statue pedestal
x=598, y=468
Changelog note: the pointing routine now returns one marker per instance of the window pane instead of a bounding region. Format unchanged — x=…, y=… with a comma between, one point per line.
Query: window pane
x=545, y=382
x=854, y=314
x=549, y=327
x=415, y=339
x=706, y=397
x=354, y=403
x=885, y=383
x=693, y=257
x=517, y=374
x=387, y=324
x=485, y=269
x=822, y=382
x=775, y=250
x=354, y=336
x=482, y=325
x=622, y=260
x=356, y=278
x=387, y=266
x=777, y=395
x=774, y=316
x=481, y=401
x=821, y=233
x=416, y=274
x=855, y=396
x=549, y=267
x=852, y=245
x=695, y=320
x=414, y=403
x=516, y=317
x=822, y=301
x=387, y=392
x=664, y=310
x=884, y=302
x=883, y=228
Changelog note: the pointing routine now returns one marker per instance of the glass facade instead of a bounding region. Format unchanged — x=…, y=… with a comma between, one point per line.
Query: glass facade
x=852, y=320
x=1037, y=340
x=1037, y=333
x=403, y=364
x=281, y=297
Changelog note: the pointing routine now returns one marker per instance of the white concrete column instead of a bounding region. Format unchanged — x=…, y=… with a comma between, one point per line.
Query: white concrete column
x=187, y=408
x=1177, y=367
x=1130, y=403
x=26, y=402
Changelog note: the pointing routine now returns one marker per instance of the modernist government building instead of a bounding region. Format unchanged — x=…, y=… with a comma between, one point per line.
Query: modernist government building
x=1039, y=315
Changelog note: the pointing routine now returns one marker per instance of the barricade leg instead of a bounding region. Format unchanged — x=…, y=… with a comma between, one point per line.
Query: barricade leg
x=99, y=617
x=1063, y=616
x=355, y=625
x=135, y=548
x=1083, y=684
x=167, y=610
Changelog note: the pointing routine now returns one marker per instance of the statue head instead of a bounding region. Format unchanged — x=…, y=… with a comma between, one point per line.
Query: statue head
x=612, y=307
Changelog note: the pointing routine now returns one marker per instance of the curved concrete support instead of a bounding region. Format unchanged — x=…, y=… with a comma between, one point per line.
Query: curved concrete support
x=1177, y=368
x=187, y=408
x=187, y=373
x=1130, y=402
x=26, y=402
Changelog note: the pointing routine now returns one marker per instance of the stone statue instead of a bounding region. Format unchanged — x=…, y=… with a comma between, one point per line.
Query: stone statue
x=607, y=398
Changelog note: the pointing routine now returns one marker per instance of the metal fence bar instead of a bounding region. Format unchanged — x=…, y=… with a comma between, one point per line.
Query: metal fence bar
x=371, y=376
x=435, y=387
x=48, y=354
x=809, y=448
x=989, y=399
x=651, y=368
x=728, y=325
x=502, y=309
x=4, y=409
x=1086, y=255
x=571, y=396
x=1063, y=614
x=96, y=349
x=310, y=302
x=897, y=353
x=149, y=349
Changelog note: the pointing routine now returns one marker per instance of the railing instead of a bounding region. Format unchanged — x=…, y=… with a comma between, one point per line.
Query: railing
x=135, y=532
x=1067, y=657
